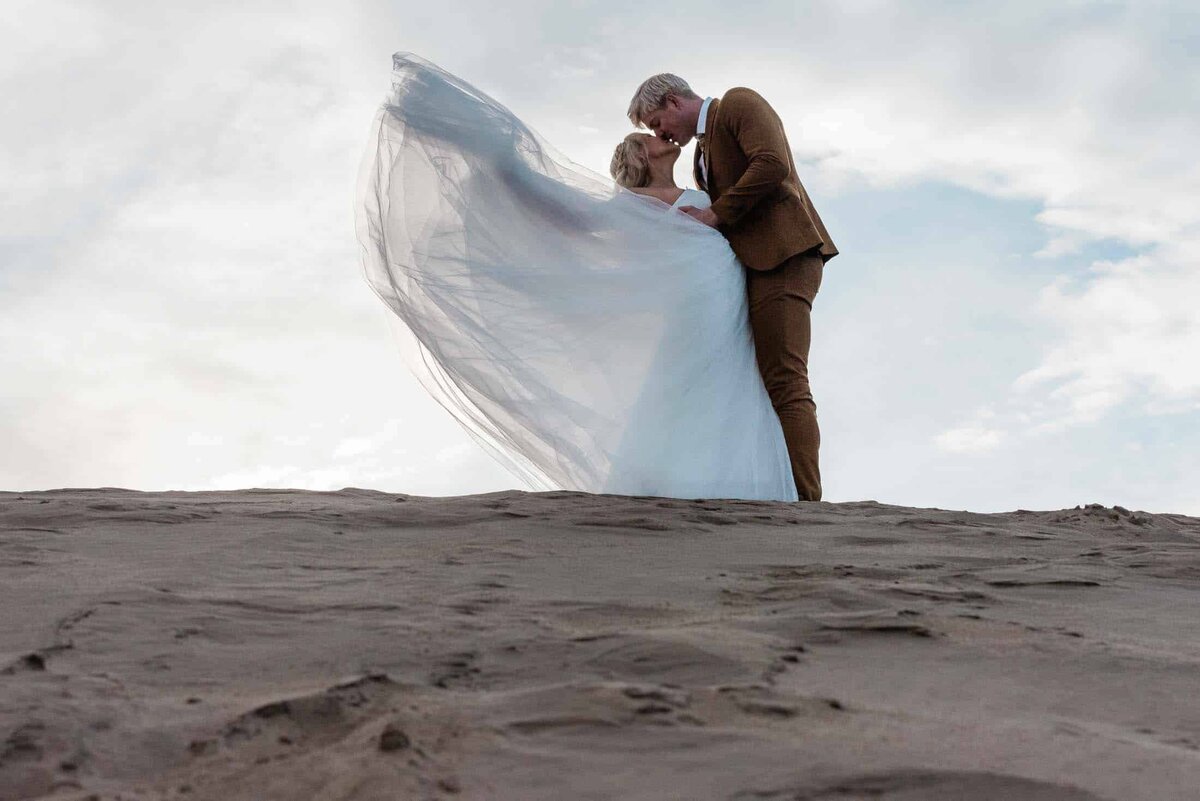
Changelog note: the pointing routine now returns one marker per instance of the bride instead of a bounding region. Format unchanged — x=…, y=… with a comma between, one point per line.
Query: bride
x=591, y=337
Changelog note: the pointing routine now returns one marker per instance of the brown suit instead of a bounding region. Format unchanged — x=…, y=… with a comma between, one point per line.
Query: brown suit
x=771, y=225
x=762, y=207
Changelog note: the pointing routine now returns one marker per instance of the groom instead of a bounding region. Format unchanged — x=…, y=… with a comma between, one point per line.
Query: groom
x=745, y=164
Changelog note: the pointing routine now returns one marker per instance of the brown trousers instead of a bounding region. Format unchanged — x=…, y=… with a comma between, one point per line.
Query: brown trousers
x=780, y=318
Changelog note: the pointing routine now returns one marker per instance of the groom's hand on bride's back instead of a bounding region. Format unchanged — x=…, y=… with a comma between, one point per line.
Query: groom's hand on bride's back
x=705, y=216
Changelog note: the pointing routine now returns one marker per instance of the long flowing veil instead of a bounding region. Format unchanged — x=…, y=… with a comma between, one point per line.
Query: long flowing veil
x=589, y=337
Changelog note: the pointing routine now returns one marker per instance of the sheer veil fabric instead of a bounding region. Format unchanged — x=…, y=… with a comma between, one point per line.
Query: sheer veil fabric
x=590, y=338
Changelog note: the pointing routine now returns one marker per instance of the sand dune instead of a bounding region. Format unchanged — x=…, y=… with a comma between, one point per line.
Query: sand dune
x=271, y=644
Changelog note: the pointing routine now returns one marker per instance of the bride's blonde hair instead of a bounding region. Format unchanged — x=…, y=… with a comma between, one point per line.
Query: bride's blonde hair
x=630, y=168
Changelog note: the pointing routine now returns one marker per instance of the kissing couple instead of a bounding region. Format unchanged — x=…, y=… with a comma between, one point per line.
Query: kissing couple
x=639, y=339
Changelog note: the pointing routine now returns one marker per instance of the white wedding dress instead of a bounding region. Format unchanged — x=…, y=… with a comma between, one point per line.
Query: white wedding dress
x=591, y=338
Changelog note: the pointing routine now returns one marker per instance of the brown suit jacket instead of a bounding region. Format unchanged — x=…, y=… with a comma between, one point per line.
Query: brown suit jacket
x=761, y=206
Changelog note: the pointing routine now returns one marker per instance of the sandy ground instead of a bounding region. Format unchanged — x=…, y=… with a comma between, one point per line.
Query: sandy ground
x=270, y=644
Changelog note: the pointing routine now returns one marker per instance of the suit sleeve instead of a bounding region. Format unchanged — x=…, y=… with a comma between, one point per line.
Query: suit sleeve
x=757, y=130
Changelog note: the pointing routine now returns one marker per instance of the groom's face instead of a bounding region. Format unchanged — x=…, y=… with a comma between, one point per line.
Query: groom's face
x=671, y=123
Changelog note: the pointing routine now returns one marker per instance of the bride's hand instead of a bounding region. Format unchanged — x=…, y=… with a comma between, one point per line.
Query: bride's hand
x=705, y=216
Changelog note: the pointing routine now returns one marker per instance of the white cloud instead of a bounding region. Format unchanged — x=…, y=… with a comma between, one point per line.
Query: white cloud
x=454, y=453
x=354, y=446
x=969, y=439
x=1130, y=332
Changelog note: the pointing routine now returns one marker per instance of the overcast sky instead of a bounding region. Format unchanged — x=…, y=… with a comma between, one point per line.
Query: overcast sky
x=1014, y=188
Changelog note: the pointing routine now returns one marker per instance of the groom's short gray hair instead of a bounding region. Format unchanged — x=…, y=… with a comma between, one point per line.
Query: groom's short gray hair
x=652, y=94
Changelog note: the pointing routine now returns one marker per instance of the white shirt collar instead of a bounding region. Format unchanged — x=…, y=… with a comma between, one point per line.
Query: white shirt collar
x=702, y=123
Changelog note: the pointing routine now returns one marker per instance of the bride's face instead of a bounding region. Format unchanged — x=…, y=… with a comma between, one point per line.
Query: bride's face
x=657, y=149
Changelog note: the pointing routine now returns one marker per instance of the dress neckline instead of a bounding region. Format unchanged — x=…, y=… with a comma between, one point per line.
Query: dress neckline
x=682, y=195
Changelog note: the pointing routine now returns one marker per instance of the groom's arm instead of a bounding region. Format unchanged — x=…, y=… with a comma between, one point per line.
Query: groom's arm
x=759, y=133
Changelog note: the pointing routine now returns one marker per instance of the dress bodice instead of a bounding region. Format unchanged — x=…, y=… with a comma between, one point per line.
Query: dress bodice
x=693, y=197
